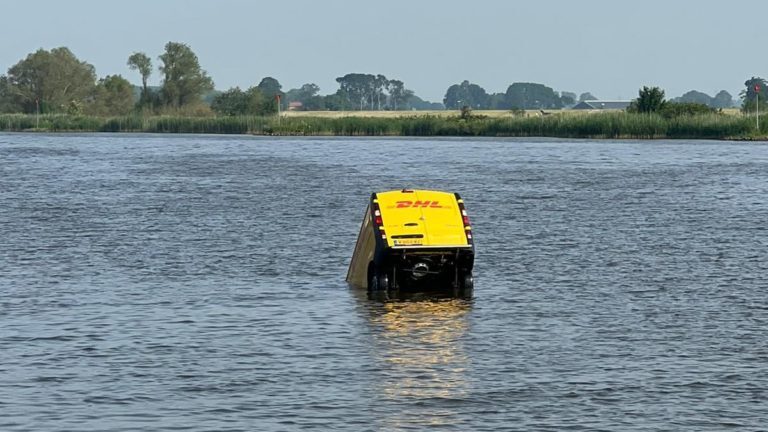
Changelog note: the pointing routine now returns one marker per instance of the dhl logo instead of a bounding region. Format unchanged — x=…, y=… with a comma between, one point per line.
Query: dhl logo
x=418, y=204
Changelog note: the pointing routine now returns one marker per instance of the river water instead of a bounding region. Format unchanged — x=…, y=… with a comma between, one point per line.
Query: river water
x=156, y=282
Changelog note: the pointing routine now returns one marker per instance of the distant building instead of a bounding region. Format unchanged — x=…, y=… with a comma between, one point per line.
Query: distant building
x=295, y=106
x=602, y=105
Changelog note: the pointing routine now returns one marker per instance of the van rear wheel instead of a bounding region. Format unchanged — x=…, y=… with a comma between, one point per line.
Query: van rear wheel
x=378, y=282
x=378, y=287
x=466, y=286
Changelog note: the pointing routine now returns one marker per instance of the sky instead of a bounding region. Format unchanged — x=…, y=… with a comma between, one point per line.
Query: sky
x=610, y=48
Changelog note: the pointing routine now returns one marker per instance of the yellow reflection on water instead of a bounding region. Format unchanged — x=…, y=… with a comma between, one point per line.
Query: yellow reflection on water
x=424, y=365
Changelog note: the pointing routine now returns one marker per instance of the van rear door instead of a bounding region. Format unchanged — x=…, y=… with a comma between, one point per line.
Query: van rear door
x=422, y=218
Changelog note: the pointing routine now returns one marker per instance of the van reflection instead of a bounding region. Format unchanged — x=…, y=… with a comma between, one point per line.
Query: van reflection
x=421, y=364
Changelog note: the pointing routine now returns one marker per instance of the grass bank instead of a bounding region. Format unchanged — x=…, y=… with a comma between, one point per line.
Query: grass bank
x=598, y=125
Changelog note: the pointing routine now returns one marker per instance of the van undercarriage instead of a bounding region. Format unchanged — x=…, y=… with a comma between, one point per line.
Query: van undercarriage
x=427, y=269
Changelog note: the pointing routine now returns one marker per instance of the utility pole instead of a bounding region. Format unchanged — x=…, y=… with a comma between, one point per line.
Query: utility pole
x=757, y=106
x=277, y=98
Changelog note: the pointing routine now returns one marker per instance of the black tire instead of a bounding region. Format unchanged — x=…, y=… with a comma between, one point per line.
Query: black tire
x=378, y=287
x=466, y=286
x=383, y=282
x=468, y=282
x=378, y=281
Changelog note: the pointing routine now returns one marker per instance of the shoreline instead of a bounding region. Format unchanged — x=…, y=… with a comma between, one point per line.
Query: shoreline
x=609, y=125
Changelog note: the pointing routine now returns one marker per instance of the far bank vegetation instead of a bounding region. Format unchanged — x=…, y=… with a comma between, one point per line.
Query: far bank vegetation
x=53, y=90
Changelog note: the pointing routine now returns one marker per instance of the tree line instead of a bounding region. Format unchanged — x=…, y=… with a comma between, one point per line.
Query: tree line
x=652, y=100
x=519, y=95
x=527, y=96
x=56, y=81
x=356, y=92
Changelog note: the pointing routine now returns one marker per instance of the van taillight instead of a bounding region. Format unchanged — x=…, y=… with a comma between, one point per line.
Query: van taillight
x=377, y=219
x=377, y=214
x=465, y=220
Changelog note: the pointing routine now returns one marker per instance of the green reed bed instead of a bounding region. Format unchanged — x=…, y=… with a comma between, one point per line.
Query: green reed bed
x=48, y=122
x=713, y=126
x=608, y=125
x=565, y=126
x=562, y=125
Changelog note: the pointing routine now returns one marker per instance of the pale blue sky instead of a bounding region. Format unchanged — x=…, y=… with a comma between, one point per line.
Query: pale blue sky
x=607, y=47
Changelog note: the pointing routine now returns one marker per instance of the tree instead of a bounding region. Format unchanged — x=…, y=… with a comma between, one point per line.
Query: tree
x=307, y=95
x=302, y=94
x=751, y=96
x=366, y=91
x=336, y=101
x=113, y=96
x=678, y=109
x=184, y=81
x=356, y=90
x=417, y=103
x=532, y=96
x=695, y=97
x=314, y=103
x=723, y=99
x=650, y=100
x=309, y=90
x=587, y=97
x=260, y=103
x=379, y=83
x=50, y=80
x=497, y=101
x=310, y=98
x=567, y=99
x=140, y=62
x=7, y=104
x=398, y=94
x=270, y=87
x=229, y=103
x=237, y=102
x=466, y=94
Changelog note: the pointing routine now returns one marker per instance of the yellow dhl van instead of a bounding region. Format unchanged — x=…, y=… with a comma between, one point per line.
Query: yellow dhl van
x=414, y=240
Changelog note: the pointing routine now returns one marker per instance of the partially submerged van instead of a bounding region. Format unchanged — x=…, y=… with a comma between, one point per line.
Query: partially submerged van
x=414, y=240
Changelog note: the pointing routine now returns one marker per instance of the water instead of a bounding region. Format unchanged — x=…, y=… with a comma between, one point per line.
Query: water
x=197, y=283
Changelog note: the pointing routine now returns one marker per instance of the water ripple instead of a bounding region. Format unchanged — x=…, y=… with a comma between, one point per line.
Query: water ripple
x=196, y=283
